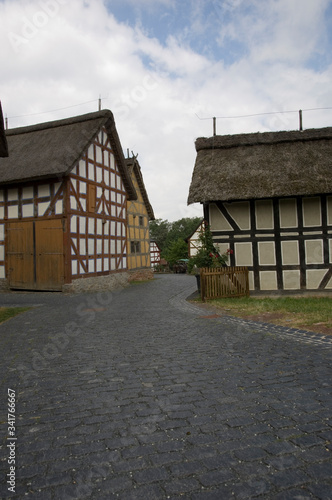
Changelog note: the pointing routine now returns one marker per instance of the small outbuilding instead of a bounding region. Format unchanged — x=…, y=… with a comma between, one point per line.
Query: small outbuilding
x=63, y=205
x=268, y=197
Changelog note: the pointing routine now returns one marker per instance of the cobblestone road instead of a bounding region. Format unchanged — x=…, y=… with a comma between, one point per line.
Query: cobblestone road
x=138, y=394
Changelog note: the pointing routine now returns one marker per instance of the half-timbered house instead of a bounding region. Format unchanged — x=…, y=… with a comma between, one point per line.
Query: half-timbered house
x=193, y=241
x=139, y=213
x=63, y=204
x=268, y=197
x=155, y=254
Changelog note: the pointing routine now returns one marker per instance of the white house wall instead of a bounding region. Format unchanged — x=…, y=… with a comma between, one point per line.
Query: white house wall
x=154, y=254
x=194, y=242
x=286, y=243
x=94, y=229
x=97, y=232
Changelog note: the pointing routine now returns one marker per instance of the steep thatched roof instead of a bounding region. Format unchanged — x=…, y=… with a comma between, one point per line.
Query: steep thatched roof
x=135, y=169
x=52, y=149
x=262, y=165
x=3, y=141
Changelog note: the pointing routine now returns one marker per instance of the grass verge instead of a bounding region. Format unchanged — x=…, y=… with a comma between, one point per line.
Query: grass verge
x=311, y=313
x=10, y=312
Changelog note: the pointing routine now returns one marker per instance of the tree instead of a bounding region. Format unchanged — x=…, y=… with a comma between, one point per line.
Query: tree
x=159, y=230
x=177, y=250
x=164, y=233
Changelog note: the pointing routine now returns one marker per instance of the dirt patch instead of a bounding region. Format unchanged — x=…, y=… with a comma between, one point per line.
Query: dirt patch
x=275, y=318
x=288, y=321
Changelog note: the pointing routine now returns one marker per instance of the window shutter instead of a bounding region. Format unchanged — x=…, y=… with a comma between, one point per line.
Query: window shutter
x=92, y=195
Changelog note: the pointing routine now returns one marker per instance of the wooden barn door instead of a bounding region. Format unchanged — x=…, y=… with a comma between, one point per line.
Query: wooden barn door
x=35, y=255
x=20, y=255
x=49, y=254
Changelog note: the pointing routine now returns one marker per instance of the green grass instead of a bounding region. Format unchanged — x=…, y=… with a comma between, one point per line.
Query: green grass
x=9, y=312
x=139, y=282
x=305, y=311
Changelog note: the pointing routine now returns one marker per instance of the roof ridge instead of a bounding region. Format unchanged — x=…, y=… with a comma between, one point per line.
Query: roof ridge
x=105, y=113
x=51, y=149
x=261, y=138
x=266, y=165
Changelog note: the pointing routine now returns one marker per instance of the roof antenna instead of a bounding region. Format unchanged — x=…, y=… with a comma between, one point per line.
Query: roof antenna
x=99, y=103
x=214, y=126
x=301, y=123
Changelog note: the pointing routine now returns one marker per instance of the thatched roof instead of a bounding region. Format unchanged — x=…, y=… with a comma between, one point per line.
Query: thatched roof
x=3, y=140
x=135, y=169
x=262, y=165
x=52, y=149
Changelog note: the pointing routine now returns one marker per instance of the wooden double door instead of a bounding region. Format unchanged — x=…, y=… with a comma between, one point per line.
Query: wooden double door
x=35, y=257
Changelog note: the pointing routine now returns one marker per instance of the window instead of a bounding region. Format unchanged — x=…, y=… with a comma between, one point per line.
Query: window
x=135, y=247
x=141, y=221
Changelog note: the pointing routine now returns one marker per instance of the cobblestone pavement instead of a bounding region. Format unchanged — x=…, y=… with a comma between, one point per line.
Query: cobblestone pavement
x=138, y=394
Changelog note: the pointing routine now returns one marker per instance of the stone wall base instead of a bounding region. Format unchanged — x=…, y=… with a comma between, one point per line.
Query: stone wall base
x=110, y=282
x=4, y=285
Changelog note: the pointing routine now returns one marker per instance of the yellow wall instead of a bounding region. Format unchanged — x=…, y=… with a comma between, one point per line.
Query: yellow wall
x=138, y=231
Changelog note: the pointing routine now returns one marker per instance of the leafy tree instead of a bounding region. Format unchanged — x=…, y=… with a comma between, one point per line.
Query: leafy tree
x=159, y=230
x=178, y=249
x=182, y=228
x=165, y=233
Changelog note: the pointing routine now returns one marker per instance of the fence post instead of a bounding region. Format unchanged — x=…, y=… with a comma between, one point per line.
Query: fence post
x=247, y=282
x=202, y=284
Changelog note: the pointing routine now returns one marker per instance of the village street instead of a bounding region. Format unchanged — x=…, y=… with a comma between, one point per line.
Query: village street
x=138, y=394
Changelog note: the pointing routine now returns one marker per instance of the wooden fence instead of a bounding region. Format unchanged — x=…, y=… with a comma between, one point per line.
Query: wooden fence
x=224, y=282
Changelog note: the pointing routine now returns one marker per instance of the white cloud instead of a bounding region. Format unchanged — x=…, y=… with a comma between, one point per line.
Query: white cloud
x=295, y=30
x=280, y=30
x=155, y=88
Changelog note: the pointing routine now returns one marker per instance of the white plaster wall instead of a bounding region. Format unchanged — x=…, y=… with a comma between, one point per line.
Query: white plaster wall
x=12, y=194
x=264, y=214
x=217, y=220
x=290, y=253
x=240, y=212
x=314, y=252
x=27, y=193
x=28, y=210
x=312, y=212
x=266, y=252
x=268, y=280
x=13, y=212
x=243, y=254
x=291, y=280
x=288, y=213
x=314, y=278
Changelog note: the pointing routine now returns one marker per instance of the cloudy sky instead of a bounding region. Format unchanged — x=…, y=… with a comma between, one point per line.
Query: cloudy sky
x=165, y=68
